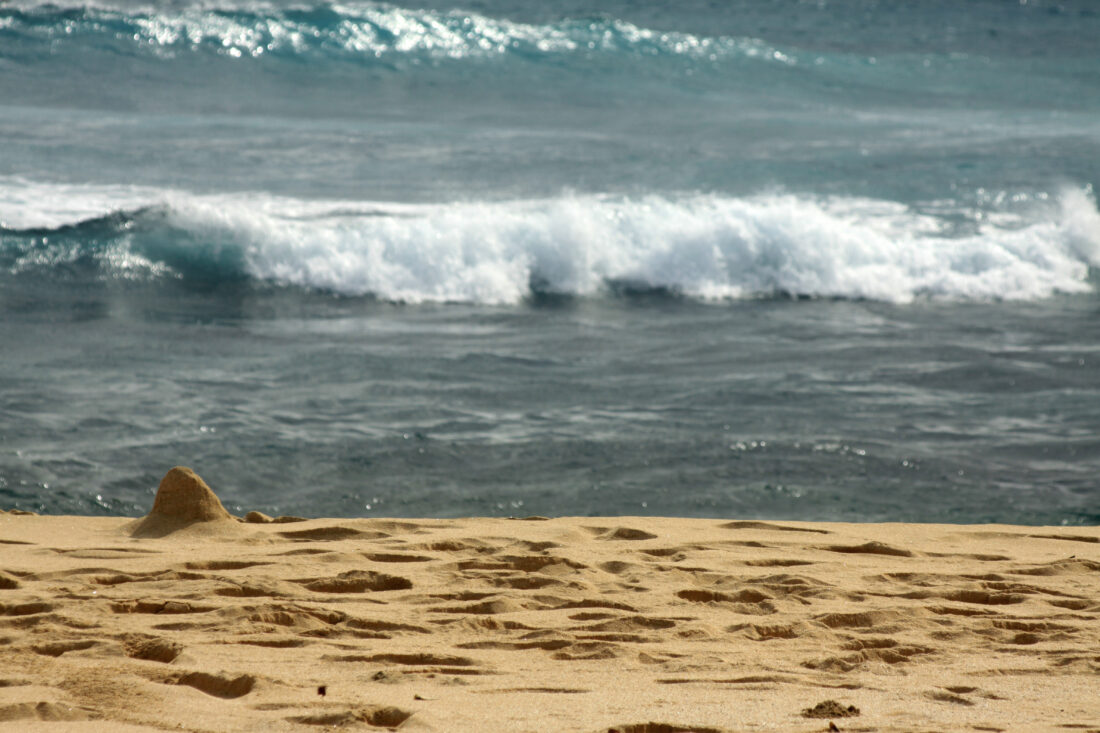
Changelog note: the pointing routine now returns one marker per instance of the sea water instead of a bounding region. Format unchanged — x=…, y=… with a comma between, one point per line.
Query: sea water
x=830, y=260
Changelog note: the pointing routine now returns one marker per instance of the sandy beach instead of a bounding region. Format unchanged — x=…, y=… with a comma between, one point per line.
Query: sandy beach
x=192, y=619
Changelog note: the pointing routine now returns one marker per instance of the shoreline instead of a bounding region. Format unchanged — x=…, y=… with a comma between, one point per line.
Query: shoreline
x=568, y=624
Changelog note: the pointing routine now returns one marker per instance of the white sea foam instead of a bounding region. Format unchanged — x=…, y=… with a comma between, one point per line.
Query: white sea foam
x=702, y=246
x=705, y=246
x=243, y=28
x=27, y=204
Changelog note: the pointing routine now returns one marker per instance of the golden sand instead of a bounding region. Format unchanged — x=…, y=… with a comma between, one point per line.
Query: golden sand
x=190, y=619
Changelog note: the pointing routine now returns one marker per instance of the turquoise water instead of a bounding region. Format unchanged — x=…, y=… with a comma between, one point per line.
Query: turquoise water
x=817, y=260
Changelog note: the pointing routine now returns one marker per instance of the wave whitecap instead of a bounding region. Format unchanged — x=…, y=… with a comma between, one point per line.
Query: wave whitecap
x=355, y=31
x=700, y=246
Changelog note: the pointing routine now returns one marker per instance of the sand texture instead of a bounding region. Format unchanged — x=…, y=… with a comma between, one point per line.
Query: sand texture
x=646, y=625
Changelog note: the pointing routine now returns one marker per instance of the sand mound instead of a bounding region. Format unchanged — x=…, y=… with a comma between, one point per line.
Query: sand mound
x=183, y=500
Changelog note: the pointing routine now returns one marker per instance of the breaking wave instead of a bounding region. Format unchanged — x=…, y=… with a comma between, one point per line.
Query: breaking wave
x=362, y=31
x=698, y=246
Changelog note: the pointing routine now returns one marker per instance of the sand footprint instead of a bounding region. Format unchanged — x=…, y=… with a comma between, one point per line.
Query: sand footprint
x=356, y=581
x=379, y=716
x=395, y=557
x=331, y=534
x=152, y=648
x=620, y=533
x=870, y=548
x=1067, y=537
x=29, y=608
x=225, y=564
x=469, y=546
x=414, y=663
x=748, y=601
x=662, y=728
x=770, y=526
x=57, y=648
x=45, y=711
x=105, y=553
x=228, y=688
x=159, y=607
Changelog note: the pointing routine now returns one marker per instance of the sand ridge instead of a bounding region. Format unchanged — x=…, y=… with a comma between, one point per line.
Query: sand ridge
x=636, y=624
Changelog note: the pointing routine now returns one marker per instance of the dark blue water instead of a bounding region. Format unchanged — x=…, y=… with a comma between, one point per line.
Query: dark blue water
x=828, y=260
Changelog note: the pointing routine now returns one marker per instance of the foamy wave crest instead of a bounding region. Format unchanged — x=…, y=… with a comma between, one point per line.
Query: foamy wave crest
x=703, y=246
x=352, y=30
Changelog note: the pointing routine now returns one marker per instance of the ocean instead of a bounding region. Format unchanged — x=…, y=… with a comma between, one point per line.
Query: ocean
x=820, y=260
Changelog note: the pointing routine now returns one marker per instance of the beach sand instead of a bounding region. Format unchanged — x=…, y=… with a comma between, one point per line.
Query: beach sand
x=191, y=619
